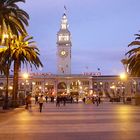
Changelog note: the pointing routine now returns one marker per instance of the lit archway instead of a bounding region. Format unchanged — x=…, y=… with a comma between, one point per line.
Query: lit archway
x=61, y=85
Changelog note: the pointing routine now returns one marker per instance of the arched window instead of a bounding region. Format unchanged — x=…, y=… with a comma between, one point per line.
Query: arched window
x=61, y=85
x=74, y=85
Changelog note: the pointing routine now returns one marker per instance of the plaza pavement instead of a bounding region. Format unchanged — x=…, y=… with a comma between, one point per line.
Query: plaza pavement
x=72, y=122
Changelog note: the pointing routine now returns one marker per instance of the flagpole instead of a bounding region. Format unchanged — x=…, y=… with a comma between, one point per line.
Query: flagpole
x=97, y=81
x=65, y=9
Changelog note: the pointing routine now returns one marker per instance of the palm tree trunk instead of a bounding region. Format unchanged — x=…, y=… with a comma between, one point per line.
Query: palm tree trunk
x=15, y=81
x=5, y=106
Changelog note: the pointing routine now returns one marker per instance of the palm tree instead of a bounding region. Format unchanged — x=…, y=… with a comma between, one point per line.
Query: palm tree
x=12, y=19
x=12, y=23
x=133, y=55
x=134, y=63
x=5, y=63
x=22, y=51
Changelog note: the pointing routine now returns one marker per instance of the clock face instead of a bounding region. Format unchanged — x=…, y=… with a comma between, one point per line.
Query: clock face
x=63, y=53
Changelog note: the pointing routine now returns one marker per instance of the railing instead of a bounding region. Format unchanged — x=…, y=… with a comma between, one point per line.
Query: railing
x=13, y=103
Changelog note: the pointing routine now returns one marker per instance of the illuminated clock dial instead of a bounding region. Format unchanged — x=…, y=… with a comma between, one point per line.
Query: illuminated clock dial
x=63, y=53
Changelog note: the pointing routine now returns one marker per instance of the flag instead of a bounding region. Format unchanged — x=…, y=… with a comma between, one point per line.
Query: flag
x=65, y=7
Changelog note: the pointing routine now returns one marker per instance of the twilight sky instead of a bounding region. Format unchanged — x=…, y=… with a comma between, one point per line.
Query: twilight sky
x=100, y=29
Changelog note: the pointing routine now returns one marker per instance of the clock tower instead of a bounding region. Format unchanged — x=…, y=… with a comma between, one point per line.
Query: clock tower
x=64, y=48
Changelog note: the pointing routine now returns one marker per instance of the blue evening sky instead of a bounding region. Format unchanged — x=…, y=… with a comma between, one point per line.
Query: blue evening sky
x=100, y=29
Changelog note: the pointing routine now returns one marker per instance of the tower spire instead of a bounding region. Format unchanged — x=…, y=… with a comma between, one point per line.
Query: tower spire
x=64, y=21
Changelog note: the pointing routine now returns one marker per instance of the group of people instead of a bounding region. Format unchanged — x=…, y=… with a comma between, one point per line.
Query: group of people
x=59, y=99
x=95, y=100
x=38, y=100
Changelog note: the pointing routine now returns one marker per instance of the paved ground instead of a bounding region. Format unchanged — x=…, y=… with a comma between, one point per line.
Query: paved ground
x=72, y=122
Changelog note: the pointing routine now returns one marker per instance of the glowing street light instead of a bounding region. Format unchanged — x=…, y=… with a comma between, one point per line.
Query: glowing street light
x=25, y=76
x=123, y=76
x=113, y=87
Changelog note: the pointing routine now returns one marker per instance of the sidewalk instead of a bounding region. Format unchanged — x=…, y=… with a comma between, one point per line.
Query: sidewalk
x=6, y=114
x=108, y=121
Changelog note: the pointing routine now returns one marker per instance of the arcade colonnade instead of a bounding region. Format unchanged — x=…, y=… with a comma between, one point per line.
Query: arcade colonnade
x=78, y=84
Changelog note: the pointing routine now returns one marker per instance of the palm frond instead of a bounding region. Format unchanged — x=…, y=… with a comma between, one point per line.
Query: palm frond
x=134, y=43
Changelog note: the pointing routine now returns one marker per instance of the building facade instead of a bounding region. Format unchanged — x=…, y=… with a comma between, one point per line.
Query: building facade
x=74, y=85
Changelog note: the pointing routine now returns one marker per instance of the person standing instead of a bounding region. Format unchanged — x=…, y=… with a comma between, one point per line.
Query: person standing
x=84, y=100
x=40, y=101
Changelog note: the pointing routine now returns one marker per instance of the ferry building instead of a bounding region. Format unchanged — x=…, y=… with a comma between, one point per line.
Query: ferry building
x=64, y=82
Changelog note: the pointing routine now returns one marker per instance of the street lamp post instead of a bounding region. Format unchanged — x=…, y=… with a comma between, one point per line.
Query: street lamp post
x=25, y=76
x=137, y=96
x=123, y=78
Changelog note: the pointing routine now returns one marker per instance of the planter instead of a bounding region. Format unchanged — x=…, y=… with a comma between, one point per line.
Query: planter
x=15, y=103
x=137, y=99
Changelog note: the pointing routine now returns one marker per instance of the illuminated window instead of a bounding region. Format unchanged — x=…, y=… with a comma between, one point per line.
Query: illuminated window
x=63, y=26
x=63, y=37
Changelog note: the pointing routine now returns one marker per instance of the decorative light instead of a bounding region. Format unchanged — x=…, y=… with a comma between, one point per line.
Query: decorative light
x=123, y=76
x=33, y=83
x=25, y=75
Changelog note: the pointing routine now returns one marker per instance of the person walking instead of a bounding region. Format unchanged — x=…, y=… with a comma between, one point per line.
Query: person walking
x=97, y=100
x=36, y=98
x=28, y=102
x=46, y=97
x=77, y=99
x=40, y=101
x=58, y=101
x=64, y=100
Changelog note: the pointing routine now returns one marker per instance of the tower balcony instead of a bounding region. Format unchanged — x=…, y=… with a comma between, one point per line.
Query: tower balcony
x=66, y=43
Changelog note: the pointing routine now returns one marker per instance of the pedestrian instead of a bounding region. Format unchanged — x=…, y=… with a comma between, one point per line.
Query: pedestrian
x=58, y=101
x=36, y=98
x=92, y=99
x=52, y=99
x=40, y=101
x=77, y=99
x=28, y=102
x=46, y=97
x=71, y=99
x=64, y=100
x=84, y=100
x=97, y=100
